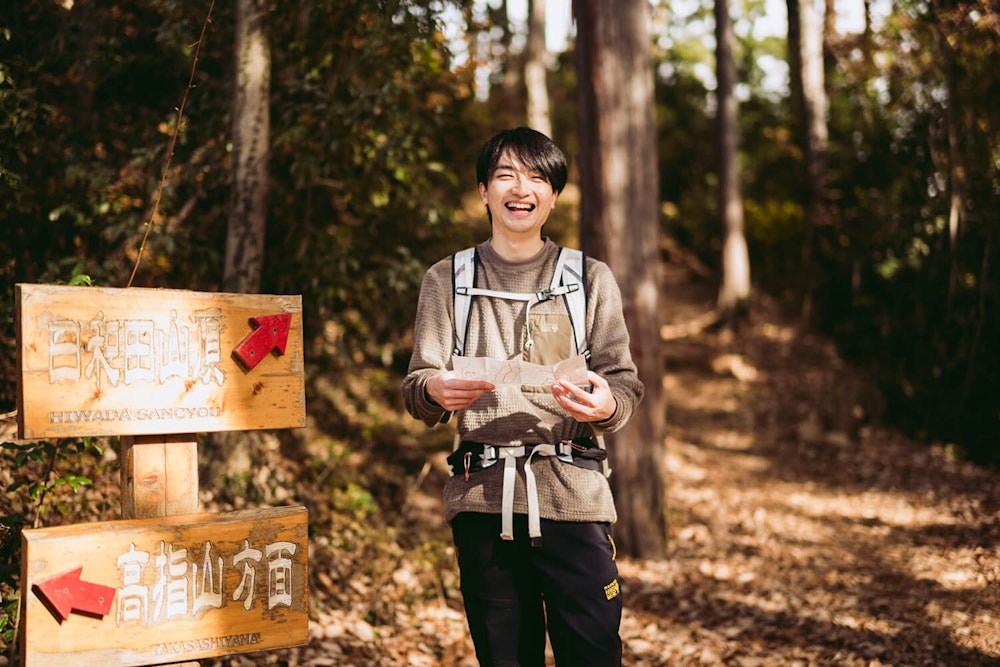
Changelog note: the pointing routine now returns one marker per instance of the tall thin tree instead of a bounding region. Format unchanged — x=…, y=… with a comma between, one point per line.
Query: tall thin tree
x=232, y=452
x=619, y=223
x=536, y=69
x=957, y=178
x=734, y=292
x=814, y=101
x=251, y=141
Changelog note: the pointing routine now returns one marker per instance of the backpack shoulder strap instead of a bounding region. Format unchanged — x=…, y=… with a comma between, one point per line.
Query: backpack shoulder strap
x=463, y=264
x=570, y=271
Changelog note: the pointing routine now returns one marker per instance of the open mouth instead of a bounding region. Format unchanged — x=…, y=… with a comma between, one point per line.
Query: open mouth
x=520, y=207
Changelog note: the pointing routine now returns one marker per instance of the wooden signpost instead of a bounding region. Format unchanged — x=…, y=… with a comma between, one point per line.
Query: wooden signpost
x=164, y=583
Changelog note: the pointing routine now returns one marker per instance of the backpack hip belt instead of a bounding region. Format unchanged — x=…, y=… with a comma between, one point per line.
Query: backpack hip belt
x=474, y=456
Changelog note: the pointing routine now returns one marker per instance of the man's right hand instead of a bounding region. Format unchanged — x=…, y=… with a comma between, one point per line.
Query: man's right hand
x=454, y=393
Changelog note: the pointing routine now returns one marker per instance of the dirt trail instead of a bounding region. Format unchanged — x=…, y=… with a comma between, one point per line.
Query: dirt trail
x=801, y=532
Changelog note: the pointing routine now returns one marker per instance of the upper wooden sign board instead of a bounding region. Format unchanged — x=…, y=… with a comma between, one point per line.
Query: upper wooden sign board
x=99, y=361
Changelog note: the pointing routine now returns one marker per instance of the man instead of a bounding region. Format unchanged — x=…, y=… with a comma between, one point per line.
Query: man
x=532, y=532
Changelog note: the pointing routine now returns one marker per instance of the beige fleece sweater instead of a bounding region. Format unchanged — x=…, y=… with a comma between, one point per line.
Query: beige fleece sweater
x=512, y=416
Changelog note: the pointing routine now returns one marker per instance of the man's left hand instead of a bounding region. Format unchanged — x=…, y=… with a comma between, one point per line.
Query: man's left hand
x=583, y=405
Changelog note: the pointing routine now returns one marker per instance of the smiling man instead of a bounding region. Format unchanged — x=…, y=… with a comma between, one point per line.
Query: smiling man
x=529, y=502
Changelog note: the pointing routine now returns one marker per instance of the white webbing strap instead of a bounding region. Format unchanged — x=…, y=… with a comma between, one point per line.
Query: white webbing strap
x=531, y=488
x=531, y=298
x=464, y=278
x=507, y=497
x=510, y=456
x=569, y=271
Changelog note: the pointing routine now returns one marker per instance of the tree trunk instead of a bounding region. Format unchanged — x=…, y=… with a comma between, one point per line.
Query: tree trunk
x=251, y=141
x=535, y=68
x=500, y=18
x=957, y=181
x=230, y=454
x=619, y=223
x=87, y=66
x=867, y=36
x=795, y=67
x=735, y=290
x=830, y=37
x=814, y=112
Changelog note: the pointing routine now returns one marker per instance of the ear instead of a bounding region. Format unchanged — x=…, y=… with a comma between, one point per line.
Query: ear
x=482, y=193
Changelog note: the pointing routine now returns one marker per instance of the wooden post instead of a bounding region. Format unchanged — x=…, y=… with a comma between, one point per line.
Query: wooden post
x=159, y=475
x=159, y=478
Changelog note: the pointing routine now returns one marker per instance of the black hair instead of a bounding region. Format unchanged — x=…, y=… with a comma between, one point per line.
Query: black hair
x=535, y=151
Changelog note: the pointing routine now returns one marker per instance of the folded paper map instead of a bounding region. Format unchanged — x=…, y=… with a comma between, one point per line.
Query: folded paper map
x=518, y=373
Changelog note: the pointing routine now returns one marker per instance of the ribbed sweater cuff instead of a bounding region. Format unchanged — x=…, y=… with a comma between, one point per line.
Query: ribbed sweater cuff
x=432, y=412
x=615, y=421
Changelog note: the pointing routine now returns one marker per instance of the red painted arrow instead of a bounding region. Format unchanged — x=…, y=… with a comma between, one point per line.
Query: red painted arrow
x=270, y=333
x=66, y=593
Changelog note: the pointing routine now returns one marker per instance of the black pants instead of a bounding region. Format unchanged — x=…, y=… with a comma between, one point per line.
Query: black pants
x=512, y=588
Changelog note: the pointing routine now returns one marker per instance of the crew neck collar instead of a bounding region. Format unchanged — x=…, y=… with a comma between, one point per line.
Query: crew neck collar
x=489, y=252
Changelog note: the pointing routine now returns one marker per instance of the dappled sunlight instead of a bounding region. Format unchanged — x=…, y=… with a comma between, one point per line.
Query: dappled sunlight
x=869, y=508
x=712, y=395
x=776, y=332
x=728, y=439
x=799, y=533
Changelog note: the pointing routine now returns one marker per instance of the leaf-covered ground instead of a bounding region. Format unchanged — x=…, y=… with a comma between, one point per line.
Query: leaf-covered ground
x=802, y=532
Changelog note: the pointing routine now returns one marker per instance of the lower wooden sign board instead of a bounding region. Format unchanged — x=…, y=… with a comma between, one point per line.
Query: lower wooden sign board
x=165, y=590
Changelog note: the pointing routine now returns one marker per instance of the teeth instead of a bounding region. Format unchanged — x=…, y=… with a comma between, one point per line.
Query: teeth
x=522, y=207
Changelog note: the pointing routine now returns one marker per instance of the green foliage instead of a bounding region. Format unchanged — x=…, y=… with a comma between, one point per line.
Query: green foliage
x=896, y=293
x=42, y=466
x=39, y=478
x=355, y=501
x=894, y=290
x=687, y=161
x=774, y=230
x=10, y=598
x=10, y=605
x=366, y=120
x=79, y=279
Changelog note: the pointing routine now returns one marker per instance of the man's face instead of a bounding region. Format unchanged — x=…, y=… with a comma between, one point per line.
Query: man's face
x=519, y=201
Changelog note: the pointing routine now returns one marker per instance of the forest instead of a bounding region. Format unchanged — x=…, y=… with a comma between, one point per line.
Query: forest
x=815, y=188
